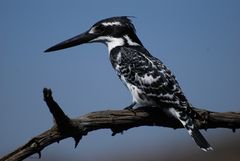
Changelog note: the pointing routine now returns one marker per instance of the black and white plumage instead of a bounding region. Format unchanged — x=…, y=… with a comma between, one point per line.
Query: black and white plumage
x=147, y=78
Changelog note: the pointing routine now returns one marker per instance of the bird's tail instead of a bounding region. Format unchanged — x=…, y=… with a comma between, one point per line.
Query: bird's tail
x=189, y=124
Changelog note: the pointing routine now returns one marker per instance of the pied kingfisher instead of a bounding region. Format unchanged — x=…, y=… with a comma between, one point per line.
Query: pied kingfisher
x=150, y=82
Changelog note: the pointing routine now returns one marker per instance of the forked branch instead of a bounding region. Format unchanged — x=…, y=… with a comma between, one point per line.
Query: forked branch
x=116, y=120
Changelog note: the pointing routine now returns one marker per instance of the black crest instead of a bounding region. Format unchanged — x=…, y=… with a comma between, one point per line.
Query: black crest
x=125, y=21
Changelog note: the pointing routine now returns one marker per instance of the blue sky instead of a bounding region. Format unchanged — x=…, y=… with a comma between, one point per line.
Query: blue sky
x=197, y=40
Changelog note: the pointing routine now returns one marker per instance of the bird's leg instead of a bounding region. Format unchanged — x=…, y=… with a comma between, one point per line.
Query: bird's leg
x=130, y=107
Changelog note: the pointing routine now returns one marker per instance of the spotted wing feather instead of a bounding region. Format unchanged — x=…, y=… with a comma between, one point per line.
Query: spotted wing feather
x=154, y=82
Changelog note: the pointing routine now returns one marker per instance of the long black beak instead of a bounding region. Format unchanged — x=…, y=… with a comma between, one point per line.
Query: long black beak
x=77, y=40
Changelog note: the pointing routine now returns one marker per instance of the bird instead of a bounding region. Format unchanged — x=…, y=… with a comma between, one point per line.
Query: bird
x=149, y=81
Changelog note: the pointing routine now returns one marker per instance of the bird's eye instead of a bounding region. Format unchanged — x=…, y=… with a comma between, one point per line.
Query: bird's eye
x=99, y=29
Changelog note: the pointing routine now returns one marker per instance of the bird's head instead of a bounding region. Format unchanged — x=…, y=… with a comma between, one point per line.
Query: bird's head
x=114, y=31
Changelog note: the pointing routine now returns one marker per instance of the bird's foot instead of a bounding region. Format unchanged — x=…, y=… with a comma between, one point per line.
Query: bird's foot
x=130, y=108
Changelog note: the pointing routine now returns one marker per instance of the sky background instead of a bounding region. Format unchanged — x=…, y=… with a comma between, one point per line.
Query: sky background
x=198, y=40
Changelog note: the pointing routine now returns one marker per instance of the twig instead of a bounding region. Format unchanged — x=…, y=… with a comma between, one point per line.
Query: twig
x=116, y=120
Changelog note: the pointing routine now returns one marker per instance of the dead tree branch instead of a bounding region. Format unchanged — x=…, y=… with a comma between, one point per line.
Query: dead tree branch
x=116, y=120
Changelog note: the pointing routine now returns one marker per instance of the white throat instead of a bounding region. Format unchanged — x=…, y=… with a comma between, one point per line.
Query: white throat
x=113, y=42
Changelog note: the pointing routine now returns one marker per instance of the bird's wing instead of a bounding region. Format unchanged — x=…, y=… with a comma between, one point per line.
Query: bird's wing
x=155, y=83
x=149, y=81
x=151, y=76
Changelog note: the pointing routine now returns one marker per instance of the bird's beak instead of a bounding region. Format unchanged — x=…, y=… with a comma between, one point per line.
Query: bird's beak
x=77, y=40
